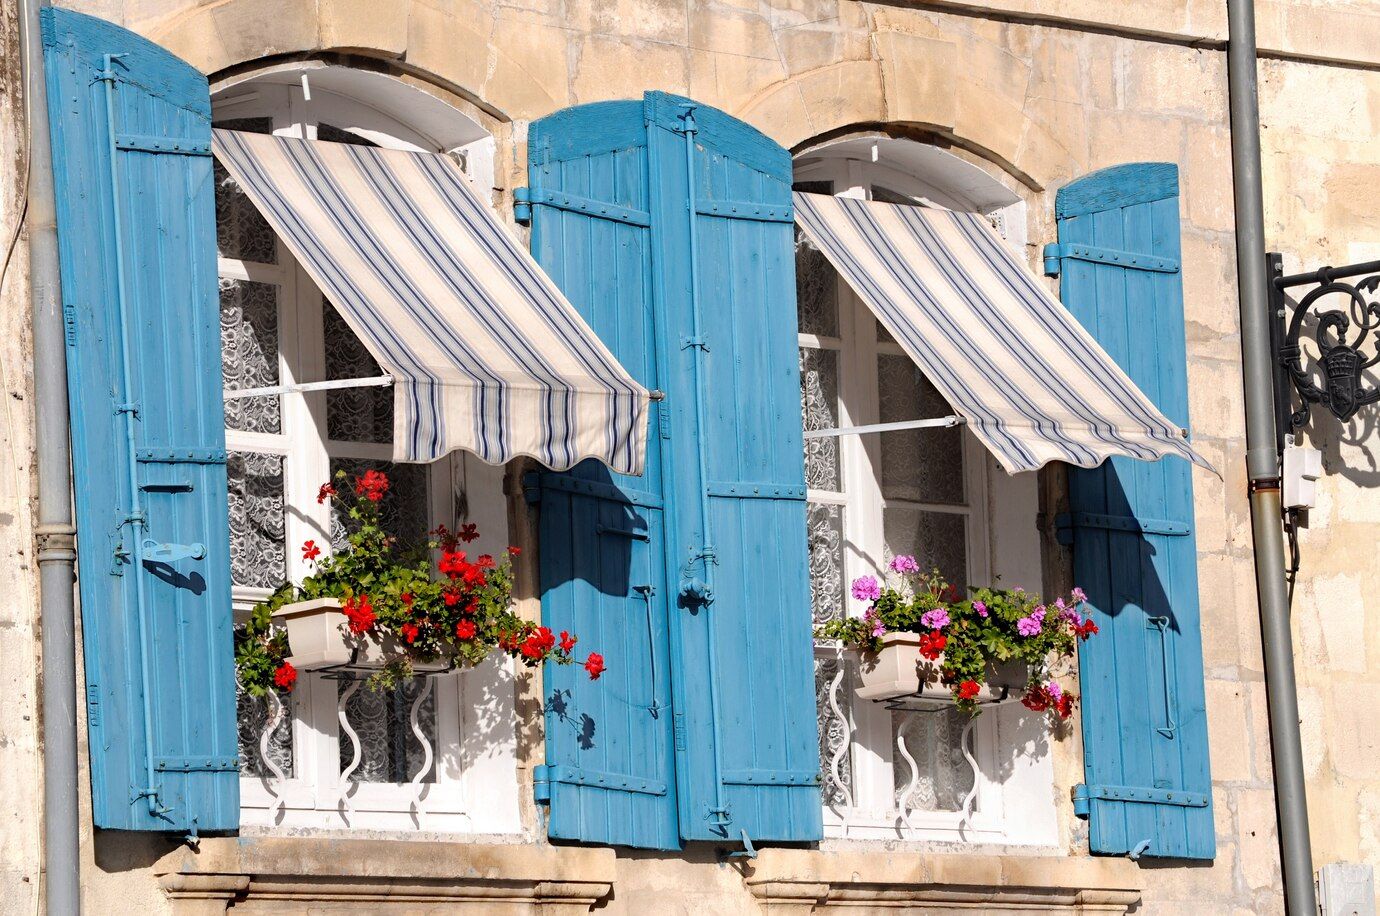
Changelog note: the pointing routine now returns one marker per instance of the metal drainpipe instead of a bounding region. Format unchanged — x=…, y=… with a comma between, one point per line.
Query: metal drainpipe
x=1262, y=464
x=54, y=533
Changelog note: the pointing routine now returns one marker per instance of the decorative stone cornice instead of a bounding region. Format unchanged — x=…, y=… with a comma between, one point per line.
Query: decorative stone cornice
x=789, y=881
x=307, y=870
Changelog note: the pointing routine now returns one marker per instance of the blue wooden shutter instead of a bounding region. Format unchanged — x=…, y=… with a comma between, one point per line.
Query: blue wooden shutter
x=131, y=131
x=1148, y=787
x=704, y=727
x=609, y=774
x=723, y=249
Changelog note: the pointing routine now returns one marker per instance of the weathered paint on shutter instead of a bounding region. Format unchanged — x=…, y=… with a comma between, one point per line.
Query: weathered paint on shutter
x=131, y=131
x=723, y=246
x=1147, y=785
x=609, y=774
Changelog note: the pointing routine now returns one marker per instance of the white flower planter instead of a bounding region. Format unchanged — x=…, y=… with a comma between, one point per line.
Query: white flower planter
x=899, y=671
x=320, y=638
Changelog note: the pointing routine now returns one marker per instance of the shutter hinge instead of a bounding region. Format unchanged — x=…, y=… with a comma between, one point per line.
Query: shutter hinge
x=1065, y=523
x=541, y=785
x=699, y=340
x=679, y=727
x=522, y=205
x=131, y=408
x=531, y=487
x=1051, y=255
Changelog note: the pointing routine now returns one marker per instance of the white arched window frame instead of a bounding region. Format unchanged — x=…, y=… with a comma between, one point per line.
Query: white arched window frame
x=277, y=466
x=901, y=774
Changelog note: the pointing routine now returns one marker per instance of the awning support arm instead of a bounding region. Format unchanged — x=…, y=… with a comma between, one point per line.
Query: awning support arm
x=377, y=381
x=941, y=422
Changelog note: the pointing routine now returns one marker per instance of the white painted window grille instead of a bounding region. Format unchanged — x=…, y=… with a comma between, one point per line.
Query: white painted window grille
x=434, y=755
x=896, y=774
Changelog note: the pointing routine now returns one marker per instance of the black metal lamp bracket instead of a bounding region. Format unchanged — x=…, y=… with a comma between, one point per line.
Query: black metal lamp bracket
x=1345, y=327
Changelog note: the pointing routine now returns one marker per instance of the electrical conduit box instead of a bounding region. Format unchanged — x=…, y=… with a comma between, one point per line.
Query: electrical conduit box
x=1302, y=468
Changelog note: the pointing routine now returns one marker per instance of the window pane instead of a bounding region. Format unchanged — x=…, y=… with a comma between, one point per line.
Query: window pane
x=241, y=231
x=405, y=507
x=389, y=750
x=258, y=557
x=825, y=531
x=937, y=540
x=336, y=135
x=940, y=778
x=353, y=414
x=249, y=353
x=819, y=397
x=919, y=465
x=254, y=714
x=816, y=281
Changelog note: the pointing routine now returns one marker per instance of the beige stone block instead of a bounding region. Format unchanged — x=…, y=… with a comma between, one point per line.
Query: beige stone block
x=729, y=81
x=1209, y=281
x=1353, y=728
x=1216, y=597
x=1316, y=101
x=1206, y=178
x=1368, y=818
x=909, y=22
x=919, y=78
x=1255, y=813
x=779, y=113
x=809, y=48
x=364, y=24
x=990, y=120
x=731, y=31
x=1330, y=623
x=654, y=20
x=531, y=69
x=1248, y=617
x=219, y=36
x=1056, y=67
x=1312, y=729
x=435, y=30
x=1215, y=398
x=1054, y=147
x=619, y=68
x=1227, y=727
x=1188, y=82
x=842, y=95
x=1120, y=137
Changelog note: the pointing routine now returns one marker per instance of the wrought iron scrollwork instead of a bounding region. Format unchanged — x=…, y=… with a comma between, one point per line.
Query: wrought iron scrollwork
x=1343, y=334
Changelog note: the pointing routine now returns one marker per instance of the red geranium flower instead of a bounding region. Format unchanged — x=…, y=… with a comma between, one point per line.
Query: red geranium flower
x=471, y=606
x=1065, y=706
x=452, y=563
x=286, y=676
x=310, y=551
x=409, y=632
x=1036, y=699
x=594, y=665
x=1085, y=629
x=451, y=597
x=468, y=532
x=326, y=492
x=515, y=550
x=359, y=613
x=967, y=690
x=932, y=644
x=485, y=561
x=465, y=629
x=567, y=641
x=371, y=485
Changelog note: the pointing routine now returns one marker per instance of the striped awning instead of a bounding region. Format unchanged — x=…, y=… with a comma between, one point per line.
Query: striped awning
x=485, y=352
x=1031, y=383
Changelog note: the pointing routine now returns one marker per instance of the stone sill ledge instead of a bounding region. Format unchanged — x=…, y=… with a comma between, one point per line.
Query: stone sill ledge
x=321, y=870
x=802, y=880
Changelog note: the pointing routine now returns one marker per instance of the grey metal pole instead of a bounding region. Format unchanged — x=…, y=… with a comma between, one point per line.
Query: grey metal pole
x=54, y=532
x=1262, y=465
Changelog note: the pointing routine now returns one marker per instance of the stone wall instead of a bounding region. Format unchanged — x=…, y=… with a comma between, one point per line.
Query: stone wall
x=1043, y=92
x=20, y=760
